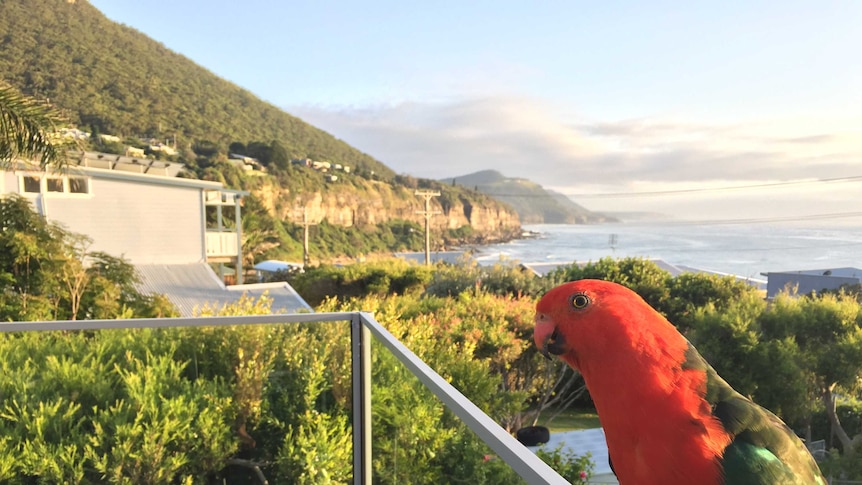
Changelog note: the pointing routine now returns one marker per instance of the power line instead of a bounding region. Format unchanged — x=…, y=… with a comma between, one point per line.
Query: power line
x=762, y=220
x=855, y=178
x=774, y=248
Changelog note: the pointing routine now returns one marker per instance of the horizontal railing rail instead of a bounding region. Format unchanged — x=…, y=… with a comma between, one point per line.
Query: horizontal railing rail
x=363, y=326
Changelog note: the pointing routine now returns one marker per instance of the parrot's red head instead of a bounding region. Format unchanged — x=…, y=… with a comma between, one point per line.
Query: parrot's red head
x=586, y=318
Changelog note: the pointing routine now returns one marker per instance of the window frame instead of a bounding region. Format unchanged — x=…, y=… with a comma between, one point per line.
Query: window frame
x=25, y=178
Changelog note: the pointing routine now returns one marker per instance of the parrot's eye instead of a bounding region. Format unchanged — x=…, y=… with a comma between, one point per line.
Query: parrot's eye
x=579, y=301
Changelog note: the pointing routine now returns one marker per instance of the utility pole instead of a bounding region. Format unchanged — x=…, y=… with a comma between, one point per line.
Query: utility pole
x=305, y=223
x=427, y=213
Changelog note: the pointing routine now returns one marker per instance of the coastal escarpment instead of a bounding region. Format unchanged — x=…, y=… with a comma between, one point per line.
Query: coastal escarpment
x=369, y=202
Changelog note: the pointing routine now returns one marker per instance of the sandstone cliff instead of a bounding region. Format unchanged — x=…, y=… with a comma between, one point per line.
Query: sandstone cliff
x=368, y=202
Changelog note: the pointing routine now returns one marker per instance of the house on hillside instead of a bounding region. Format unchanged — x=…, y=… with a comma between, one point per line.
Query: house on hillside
x=244, y=163
x=805, y=282
x=172, y=229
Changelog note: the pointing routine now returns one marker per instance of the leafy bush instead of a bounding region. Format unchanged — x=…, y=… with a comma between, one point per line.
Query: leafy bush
x=393, y=276
x=481, y=344
x=109, y=406
x=502, y=278
x=572, y=467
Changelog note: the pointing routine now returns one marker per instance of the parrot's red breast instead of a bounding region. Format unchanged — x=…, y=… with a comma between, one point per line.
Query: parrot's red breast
x=668, y=418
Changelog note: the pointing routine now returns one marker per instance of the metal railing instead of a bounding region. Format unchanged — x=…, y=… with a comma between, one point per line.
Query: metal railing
x=363, y=327
x=221, y=243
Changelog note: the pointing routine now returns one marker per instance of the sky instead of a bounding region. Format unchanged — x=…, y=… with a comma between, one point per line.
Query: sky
x=585, y=98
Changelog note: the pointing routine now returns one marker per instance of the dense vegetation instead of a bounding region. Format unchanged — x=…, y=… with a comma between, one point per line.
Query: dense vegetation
x=278, y=396
x=148, y=406
x=203, y=405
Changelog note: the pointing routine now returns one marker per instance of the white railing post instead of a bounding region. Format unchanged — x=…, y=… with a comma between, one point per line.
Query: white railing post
x=360, y=344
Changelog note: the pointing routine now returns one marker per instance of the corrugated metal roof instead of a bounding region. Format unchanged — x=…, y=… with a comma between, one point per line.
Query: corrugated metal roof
x=273, y=265
x=848, y=272
x=450, y=257
x=192, y=286
x=542, y=269
x=755, y=282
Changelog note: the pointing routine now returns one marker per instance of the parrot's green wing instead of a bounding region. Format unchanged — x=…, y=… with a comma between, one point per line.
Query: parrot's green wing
x=764, y=451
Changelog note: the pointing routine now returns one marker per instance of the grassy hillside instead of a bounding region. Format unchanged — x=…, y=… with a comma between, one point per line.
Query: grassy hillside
x=533, y=203
x=110, y=78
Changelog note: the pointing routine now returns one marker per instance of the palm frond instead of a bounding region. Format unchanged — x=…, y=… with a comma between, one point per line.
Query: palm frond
x=29, y=130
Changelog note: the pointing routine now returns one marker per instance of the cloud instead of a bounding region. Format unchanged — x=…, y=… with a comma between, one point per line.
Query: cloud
x=532, y=138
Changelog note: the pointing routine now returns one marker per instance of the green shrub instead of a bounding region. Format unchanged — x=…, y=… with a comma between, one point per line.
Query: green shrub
x=393, y=276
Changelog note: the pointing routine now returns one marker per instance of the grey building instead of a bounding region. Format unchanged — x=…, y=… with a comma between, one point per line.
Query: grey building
x=807, y=281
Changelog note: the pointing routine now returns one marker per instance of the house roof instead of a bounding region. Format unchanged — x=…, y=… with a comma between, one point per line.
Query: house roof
x=121, y=163
x=143, y=172
x=195, y=285
x=273, y=265
x=542, y=269
x=450, y=257
x=846, y=272
x=755, y=282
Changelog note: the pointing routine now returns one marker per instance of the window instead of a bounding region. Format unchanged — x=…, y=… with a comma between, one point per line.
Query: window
x=37, y=184
x=78, y=185
x=54, y=184
x=32, y=185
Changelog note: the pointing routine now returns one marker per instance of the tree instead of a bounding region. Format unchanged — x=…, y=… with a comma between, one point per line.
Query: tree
x=259, y=231
x=828, y=332
x=28, y=130
x=691, y=291
x=237, y=147
x=280, y=158
x=206, y=148
x=28, y=245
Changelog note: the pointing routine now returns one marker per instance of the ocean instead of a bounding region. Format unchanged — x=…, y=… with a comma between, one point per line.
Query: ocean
x=742, y=249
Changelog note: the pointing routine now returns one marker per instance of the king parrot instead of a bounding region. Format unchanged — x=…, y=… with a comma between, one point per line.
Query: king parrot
x=669, y=419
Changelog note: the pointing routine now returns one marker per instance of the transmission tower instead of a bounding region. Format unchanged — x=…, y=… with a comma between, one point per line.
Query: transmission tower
x=427, y=195
x=305, y=224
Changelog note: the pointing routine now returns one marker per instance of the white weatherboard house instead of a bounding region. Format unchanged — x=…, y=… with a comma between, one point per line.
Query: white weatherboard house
x=141, y=210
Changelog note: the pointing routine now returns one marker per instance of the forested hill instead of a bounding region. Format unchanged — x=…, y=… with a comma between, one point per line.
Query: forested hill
x=110, y=78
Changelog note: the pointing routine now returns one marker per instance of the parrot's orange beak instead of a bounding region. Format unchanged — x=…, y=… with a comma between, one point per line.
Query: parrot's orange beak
x=548, y=339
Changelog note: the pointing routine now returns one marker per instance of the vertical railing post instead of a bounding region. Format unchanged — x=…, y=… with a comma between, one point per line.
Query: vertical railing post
x=360, y=344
